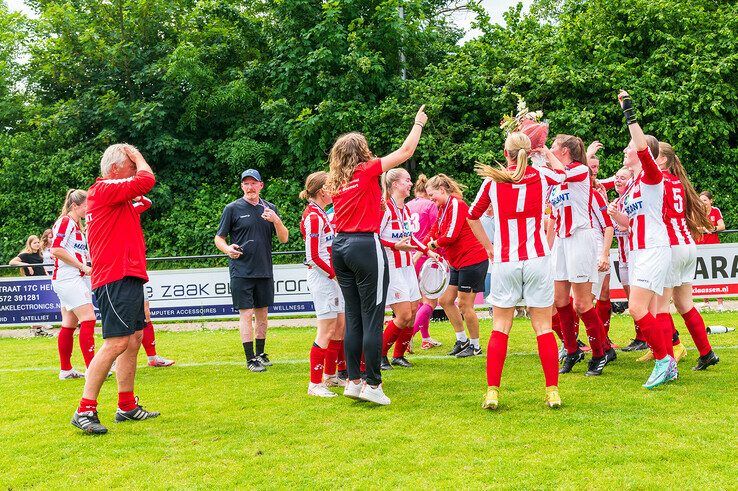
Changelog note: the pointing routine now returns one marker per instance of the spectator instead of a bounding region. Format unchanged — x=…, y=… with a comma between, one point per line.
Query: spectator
x=251, y=222
x=30, y=255
x=46, y=240
x=711, y=236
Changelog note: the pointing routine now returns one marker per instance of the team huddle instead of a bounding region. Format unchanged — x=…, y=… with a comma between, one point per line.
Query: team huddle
x=549, y=227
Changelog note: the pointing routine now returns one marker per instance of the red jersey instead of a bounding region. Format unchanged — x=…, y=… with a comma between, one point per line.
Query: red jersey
x=715, y=216
x=397, y=223
x=357, y=206
x=452, y=232
x=519, y=210
x=317, y=232
x=598, y=210
x=675, y=217
x=571, y=201
x=643, y=202
x=114, y=234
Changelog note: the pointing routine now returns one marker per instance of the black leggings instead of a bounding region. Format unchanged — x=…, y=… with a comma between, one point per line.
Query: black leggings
x=361, y=269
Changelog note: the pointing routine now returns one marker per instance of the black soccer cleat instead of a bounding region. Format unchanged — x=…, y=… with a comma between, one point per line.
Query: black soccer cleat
x=254, y=364
x=706, y=361
x=264, y=360
x=610, y=356
x=571, y=360
x=401, y=362
x=636, y=345
x=596, y=365
x=385, y=365
x=136, y=414
x=89, y=423
x=343, y=374
x=459, y=346
x=470, y=350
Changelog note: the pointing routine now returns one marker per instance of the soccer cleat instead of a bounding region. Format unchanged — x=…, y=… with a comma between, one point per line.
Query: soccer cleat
x=646, y=357
x=342, y=375
x=160, y=361
x=353, y=390
x=70, y=374
x=611, y=355
x=553, y=399
x=333, y=381
x=705, y=361
x=470, y=350
x=136, y=414
x=459, y=346
x=88, y=422
x=401, y=362
x=254, y=364
x=40, y=331
x=562, y=353
x=319, y=390
x=661, y=372
x=596, y=365
x=571, y=360
x=636, y=345
x=429, y=343
x=385, y=365
x=374, y=394
x=673, y=372
x=680, y=351
x=264, y=360
x=491, y=398
x=583, y=346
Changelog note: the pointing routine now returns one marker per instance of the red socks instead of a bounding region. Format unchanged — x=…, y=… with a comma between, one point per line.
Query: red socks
x=87, y=405
x=317, y=358
x=126, y=401
x=331, y=357
x=65, y=345
x=548, y=353
x=567, y=316
x=391, y=333
x=665, y=328
x=87, y=340
x=556, y=325
x=496, y=354
x=403, y=340
x=595, y=332
x=696, y=326
x=651, y=330
x=639, y=334
x=149, y=341
x=341, y=360
x=604, y=311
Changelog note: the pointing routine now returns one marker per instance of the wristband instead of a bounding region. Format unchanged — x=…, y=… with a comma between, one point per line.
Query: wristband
x=628, y=111
x=420, y=124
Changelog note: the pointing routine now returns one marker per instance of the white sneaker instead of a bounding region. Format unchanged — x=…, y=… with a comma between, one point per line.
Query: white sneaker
x=160, y=361
x=353, y=390
x=70, y=374
x=319, y=390
x=333, y=381
x=375, y=395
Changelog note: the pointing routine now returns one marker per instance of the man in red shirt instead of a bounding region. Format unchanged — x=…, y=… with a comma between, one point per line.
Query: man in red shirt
x=118, y=255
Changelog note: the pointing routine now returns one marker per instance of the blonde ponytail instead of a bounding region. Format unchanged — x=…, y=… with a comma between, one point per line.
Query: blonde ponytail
x=517, y=146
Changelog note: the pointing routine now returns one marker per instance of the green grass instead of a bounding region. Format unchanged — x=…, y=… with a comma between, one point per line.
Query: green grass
x=224, y=427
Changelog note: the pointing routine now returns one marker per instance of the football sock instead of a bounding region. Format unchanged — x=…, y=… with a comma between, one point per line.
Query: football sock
x=65, y=345
x=696, y=326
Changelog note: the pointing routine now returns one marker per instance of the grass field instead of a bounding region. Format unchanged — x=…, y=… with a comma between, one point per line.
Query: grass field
x=225, y=427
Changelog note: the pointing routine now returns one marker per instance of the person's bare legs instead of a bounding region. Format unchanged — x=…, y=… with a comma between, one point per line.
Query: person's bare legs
x=98, y=370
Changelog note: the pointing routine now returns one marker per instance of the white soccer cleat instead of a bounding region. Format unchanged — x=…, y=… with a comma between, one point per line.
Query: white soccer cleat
x=374, y=394
x=160, y=361
x=333, y=381
x=70, y=374
x=319, y=390
x=353, y=390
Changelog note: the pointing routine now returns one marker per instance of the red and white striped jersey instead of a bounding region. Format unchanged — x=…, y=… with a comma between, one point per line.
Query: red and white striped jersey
x=598, y=209
x=398, y=223
x=675, y=216
x=571, y=200
x=519, y=210
x=69, y=237
x=622, y=237
x=318, y=233
x=644, y=205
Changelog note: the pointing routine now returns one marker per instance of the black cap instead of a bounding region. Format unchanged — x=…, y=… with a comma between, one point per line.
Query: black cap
x=251, y=173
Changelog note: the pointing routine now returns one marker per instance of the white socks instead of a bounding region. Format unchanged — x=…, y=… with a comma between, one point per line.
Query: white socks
x=461, y=336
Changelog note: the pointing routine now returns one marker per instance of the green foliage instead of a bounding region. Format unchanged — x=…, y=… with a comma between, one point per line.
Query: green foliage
x=208, y=88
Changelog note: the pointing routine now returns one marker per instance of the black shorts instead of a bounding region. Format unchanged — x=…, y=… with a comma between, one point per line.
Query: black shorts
x=252, y=293
x=470, y=278
x=121, y=305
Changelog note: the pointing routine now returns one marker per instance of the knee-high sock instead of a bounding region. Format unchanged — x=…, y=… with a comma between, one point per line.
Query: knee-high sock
x=595, y=332
x=65, y=345
x=547, y=352
x=422, y=320
x=391, y=333
x=696, y=326
x=149, y=339
x=87, y=340
x=317, y=358
x=331, y=357
x=604, y=310
x=403, y=340
x=665, y=323
x=651, y=330
x=341, y=360
x=566, y=316
x=496, y=354
x=556, y=325
x=638, y=333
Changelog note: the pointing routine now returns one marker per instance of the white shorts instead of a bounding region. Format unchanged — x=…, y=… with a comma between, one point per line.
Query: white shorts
x=600, y=280
x=683, y=265
x=526, y=282
x=623, y=271
x=73, y=292
x=327, y=296
x=649, y=268
x=403, y=285
x=575, y=257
